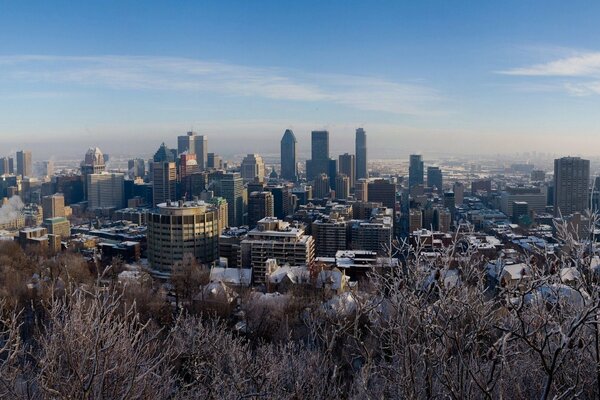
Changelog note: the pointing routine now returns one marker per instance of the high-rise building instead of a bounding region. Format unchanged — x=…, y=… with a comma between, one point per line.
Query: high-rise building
x=330, y=235
x=164, y=182
x=136, y=168
x=187, y=165
x=434, y=178
x=214, y=161
x=53, y=206
x=105, y=190
x=538, y=175
x=185, y=143
x=260, y=205
x=201, y=151
x=415, y=219
x=361, y=192
x=571, y=185
x=342, y=187
x=284, y=202
x=321, y=186
x=59, y=226
x=253, y=168
x=232, y=189
x=319, y=162
x=481, y=185
x=374, y=234
x=289, y=167
x=384, y=192
x=361, y=154
x=176, y=229
x=24, y=163
x=278, y=240
x=346, y=166
x=165, y=154
x=6, y=166
x=459, y=193
x=415, y=170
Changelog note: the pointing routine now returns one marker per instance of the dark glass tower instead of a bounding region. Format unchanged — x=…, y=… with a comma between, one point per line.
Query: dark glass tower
x=361, y=154
x=319, y=162
x=289, y=168
x=415, y=170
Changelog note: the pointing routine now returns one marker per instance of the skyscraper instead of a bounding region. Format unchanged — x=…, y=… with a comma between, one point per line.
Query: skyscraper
x=434, y=178
x=53, y=206
x=186, y=143
x=260, y=205
x=137, y=168
x=571, y=185
x=5, y=166
x=346, y=166
x=361, y=154
x=289, y=167
x=201, y=151
x=253, y=167
x=319, y=162
x=105, y=190
x=321, y=186
x=415, y=170
x=384, y=192
x=24, y=163
x=232, y=189
x=164, y=182
x=342, y=187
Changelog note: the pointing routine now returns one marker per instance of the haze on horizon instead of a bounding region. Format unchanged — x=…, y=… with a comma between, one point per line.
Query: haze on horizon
x=418, y=76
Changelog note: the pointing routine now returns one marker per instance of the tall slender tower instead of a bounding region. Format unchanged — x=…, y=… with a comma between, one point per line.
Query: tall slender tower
x=186, y=143
x=361, y=154
x=571, y=185
x=201, y=150
x=24, y=163
x=346, y=166
x=319, y=162
x=289, y=167
x=415, y=170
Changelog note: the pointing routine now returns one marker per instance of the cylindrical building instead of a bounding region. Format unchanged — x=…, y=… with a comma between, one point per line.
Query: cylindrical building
x=179, y=228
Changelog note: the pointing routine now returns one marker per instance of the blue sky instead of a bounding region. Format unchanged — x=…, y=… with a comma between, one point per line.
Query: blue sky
x=430, y=76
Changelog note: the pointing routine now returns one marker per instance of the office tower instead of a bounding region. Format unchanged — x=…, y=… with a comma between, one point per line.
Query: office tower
x=136, y=168
x=450, y=202
x=185, y=143
x=253, y=168
x=214, y=161
x=93, y=163
x=330, y=235
x=481, y=185
x=284, y=202
x=53, y=206
x=47, y=168
x=4, y=166
x=346, y=166
x=361, y=192
x=187, y=165
x=289, y=167
x=24, y=163
x=415, y=219
x=165, y=154
x=443, y=219
x=105, y=190
x=342, y=187
x=278, y=240
x=177, y=229
x=58, y=226
x=384, y=192
x=534, y=196
x=434, y=178
x=193, y=184
x=232, y=189
x=415, y=171
x=164, y=182
x=321, y=186
x=520, y=211
x=260, y=205
x=538, y=175
x=319, y=162
x=459, y=193
x=201, y=151
x=571, y=185
x=361, y=154
x=72, y=187
x=221, y=204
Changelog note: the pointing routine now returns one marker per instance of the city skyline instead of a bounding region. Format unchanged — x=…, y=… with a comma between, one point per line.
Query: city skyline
x=155, y=73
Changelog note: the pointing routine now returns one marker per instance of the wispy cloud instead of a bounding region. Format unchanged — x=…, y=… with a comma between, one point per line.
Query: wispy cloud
x=184, y=74
x=577, y=75
x=582, y=65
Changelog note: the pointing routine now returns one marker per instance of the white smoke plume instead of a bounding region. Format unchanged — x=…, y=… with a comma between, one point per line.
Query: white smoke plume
x=11, y=210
